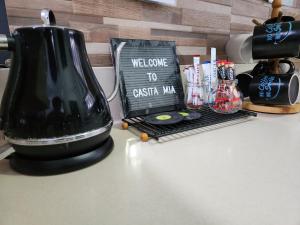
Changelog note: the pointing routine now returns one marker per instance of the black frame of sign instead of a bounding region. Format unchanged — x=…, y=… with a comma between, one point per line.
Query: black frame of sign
x=4, y=29
x=178, y=97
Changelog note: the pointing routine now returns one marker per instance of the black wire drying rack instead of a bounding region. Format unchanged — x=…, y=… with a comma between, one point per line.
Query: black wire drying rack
x=209, y=120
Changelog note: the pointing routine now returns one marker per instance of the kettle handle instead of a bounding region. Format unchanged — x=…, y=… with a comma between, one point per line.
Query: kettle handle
x=6, y=42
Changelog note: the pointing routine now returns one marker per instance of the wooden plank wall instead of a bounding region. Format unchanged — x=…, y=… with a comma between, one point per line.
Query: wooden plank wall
x=195, y=25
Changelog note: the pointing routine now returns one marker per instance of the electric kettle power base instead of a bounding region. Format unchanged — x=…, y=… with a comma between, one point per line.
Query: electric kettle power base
x=45, y=167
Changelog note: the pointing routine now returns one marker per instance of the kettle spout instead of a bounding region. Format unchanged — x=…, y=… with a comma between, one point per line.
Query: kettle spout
x=6, y=42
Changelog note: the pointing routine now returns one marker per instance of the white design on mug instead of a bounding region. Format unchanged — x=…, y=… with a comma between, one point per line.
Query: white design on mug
x=265, y=87
x=275, y=34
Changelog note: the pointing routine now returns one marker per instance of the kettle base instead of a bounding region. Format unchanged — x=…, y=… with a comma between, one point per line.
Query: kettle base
x=37, y=167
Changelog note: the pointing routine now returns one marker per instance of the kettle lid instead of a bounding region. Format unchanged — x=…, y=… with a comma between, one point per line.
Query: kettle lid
x=48, y=18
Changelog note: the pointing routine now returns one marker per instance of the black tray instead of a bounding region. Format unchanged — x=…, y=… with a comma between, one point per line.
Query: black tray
x=210, y=120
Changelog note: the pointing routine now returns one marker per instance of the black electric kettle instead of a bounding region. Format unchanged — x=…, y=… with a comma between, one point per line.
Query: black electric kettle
x=53, y=111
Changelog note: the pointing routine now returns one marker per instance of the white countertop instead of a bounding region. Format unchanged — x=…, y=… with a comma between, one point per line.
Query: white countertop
x=247, y=174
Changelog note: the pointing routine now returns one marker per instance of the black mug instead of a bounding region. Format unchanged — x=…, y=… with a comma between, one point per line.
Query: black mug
x=263, y=67
x=274, y=89
x=276, y=39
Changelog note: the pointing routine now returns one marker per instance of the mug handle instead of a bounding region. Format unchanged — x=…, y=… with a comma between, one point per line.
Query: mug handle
x=292, y=69
x=260, y=68
x=263, y=67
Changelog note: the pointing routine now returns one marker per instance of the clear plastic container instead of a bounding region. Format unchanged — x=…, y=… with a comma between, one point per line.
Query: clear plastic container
x=194, y=96
x=227, y=99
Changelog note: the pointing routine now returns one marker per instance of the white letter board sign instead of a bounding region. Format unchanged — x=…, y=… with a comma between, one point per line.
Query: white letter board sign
x=150, y=80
